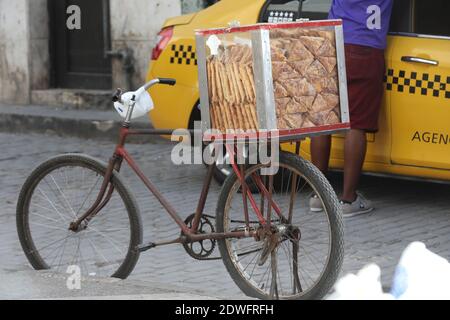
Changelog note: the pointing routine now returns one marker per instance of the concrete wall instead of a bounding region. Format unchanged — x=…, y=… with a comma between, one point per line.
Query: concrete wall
x=14, y=51
x=24, y=41
x=39, y=46
x=135, y=24
x=188, y=6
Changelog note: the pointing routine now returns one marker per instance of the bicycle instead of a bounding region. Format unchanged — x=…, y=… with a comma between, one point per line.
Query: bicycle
x=70, y=211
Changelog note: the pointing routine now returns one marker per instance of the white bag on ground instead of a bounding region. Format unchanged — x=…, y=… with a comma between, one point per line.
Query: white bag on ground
x=363, y=286
x=421, y=274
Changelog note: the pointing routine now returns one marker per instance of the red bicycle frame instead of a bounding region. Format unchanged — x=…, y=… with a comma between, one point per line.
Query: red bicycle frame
x=188, y=234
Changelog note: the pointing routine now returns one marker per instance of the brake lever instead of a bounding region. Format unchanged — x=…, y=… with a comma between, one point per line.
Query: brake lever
x=117, y=96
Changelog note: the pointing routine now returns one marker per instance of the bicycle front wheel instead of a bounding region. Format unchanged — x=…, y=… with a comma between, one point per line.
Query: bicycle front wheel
x=301, y=255
x=59, y=191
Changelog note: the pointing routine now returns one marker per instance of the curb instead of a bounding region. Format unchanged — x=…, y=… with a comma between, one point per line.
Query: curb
x=73, y=98
x=47, y=285
x=85, y=124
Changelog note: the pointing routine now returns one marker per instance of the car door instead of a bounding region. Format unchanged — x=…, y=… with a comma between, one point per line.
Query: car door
x=419, y=86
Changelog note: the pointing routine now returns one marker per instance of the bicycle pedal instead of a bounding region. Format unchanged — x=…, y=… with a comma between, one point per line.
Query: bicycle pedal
x=146, y=246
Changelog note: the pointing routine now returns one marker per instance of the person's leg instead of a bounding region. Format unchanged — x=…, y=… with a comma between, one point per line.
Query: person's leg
x=365, y=72
x=320, y=156
x=354, y=154
x=320, y=152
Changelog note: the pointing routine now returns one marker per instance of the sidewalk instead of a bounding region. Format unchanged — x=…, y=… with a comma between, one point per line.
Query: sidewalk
x=32, y=284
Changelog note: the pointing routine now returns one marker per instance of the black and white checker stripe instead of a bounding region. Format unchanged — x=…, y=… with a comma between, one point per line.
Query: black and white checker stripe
x=183, y=54
x=414, y=83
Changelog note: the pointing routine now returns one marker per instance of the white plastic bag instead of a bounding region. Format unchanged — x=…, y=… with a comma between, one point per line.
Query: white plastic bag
x=365, y=285
x=421, y=274
x=143, y=105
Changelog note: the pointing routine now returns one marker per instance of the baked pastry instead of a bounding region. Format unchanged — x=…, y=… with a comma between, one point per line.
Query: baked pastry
x=305, y=77
x=231, y=88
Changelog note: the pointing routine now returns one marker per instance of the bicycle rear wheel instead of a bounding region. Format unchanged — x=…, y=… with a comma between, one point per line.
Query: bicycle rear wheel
x=301, y=256
x=55, y=194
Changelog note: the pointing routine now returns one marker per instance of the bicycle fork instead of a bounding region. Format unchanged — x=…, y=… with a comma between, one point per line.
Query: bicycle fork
x=105, y=193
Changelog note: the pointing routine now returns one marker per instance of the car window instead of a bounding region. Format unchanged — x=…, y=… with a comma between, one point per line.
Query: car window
x=316, y=9
x=431, y=17
x=280, y=11
x=401, y=18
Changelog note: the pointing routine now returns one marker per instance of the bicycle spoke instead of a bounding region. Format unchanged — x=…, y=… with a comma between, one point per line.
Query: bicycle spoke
x=57, y=251
x=253, y=259
x=77, y=252
x=64, y=196
x=109, y=239
x=50, y=244
x=53, y=205
x=83, y=262
x=264, y=276
x=61, y=205
x=310, y=259
x=47, y=226
x=57, y=205
x=254, y=266
x=98, y=252
x=62, y=255
x=42, y=216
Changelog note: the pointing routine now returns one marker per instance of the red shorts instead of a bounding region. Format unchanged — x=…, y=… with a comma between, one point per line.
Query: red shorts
x=365, y=72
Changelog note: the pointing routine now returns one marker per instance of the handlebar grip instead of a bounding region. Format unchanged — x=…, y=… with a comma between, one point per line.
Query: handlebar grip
x=168, y=81
x=116, y=96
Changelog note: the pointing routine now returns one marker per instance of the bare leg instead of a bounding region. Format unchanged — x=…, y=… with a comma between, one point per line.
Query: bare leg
x=354, y=154
x=320, y=152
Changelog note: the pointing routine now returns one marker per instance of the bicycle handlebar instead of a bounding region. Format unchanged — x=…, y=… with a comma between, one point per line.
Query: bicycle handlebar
x=167, y=81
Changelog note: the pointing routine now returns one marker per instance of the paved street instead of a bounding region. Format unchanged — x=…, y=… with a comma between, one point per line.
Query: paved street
x=406, y=211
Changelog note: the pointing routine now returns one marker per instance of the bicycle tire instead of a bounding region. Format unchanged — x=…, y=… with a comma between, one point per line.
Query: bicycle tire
x=85, y=161
x=333, y=210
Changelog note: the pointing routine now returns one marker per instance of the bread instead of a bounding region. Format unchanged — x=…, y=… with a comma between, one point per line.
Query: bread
x=232, y=89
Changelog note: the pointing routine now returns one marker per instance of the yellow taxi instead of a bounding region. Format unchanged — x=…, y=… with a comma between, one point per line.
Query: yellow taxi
x=414, y=136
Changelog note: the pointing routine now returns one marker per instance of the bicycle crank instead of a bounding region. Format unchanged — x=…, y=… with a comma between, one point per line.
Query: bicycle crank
x=201, y=250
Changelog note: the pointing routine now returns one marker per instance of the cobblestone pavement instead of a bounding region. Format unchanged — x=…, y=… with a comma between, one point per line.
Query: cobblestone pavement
x=406, y=211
